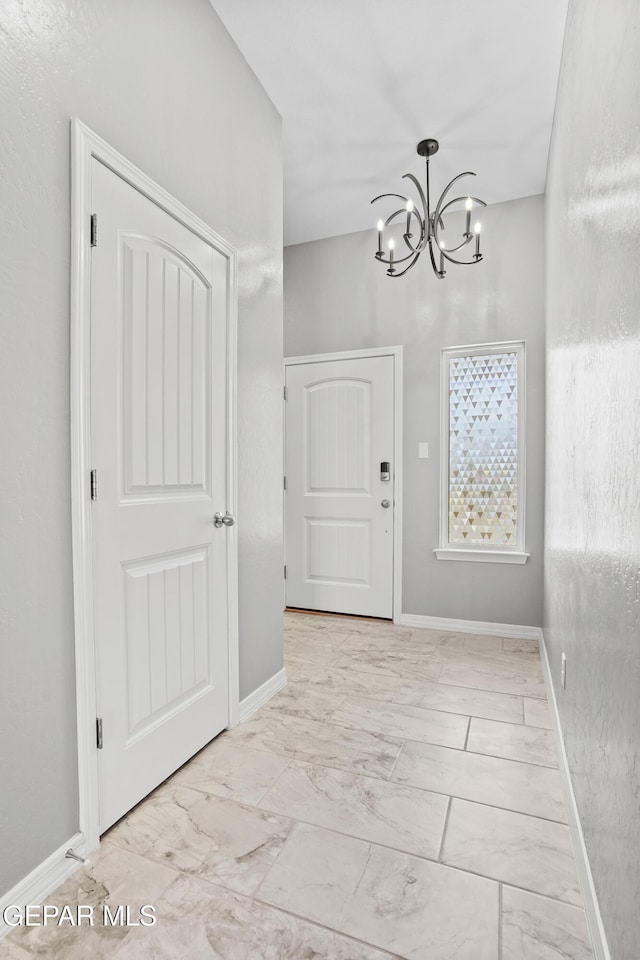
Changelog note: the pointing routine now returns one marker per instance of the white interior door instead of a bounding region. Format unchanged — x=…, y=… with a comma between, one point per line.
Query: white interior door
x=158, y=445
x=339, y=507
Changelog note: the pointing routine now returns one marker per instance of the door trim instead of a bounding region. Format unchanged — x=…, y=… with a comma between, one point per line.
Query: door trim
x=85, y=146
x=397, y=354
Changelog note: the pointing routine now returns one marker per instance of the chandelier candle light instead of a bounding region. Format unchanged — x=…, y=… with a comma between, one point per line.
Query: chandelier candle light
x=428, y=225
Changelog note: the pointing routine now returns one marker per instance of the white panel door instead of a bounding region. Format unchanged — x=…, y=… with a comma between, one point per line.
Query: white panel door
x=339, y=510
x=158, y=445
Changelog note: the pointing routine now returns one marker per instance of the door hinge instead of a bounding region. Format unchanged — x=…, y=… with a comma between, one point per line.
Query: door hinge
x=285, y=571
x=94, y=485
x=94, y=229
x=284, y=483
x=285, y=393
x=99, y=733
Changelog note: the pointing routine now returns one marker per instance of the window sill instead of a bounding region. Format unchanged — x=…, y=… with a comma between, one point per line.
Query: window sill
x=484, y=556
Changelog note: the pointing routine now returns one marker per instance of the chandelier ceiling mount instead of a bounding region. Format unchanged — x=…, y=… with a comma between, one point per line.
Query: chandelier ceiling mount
x=427, y=148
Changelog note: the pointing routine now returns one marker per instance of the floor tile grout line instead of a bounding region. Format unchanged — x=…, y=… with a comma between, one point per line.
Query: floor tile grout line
x=90, y=862
x=434, y=743
x=442, y=863
x=352, y=836
x=249, y=806
x=461, y=686
x=513, y=723
x=534, y=892
x=405, y=738
x=466, y=738
x=450, y=866
x=508, y=885
x=220, y=883
x=388, y=738
x=287, y=839
x=516, y=886
x=313, y=684
x=348, y=769
x=530, y=693
x=412, y=706
x=456, y=713
x=322, y=926
x=438, y=709
x=499, y=756
x=407, y=674
x=444, y=829
x=386, y=778
x=272, y=785
x=483, y=803
x=435, y=709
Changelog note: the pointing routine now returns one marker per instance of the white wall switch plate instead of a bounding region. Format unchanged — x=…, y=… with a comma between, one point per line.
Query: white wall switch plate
x=563, y=671
x=423, y=451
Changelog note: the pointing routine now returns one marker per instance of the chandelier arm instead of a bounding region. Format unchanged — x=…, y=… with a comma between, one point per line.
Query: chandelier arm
x=433, y=259
x=459, y=247
x=423, y=200
x=467, y=173
x=399, y=259
x=419, y=247
x=396, y=213
x=381, y=196
x=399, y=213
x=459, y=200
x=441, y=223
x=391, y=218
x=406, y=269
x=461, y=263
x=477, y=200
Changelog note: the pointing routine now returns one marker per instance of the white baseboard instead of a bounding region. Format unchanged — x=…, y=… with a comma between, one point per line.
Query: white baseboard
x=471, y=626
x=259, y=697
x=43, y=879
x=592, y=910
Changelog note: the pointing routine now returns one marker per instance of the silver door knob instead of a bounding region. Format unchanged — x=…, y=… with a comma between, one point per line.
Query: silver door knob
x=223, y=518
x=385, y=503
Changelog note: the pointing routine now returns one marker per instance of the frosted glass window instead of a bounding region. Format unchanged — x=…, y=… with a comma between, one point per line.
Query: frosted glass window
x=483, y=475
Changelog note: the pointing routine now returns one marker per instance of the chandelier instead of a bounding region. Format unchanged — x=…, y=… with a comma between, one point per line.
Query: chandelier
x=425, y=230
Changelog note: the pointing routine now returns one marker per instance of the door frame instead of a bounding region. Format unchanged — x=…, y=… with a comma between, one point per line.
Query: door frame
x=397, y=354
x=85, y=146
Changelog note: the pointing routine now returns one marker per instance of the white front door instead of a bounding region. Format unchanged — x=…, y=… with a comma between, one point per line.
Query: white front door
x=339, y=506
x=158, y=445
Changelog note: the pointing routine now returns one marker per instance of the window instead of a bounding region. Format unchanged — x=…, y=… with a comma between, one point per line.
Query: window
x=482, y=510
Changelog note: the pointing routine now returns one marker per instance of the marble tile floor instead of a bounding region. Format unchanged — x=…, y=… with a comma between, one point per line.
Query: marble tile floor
x=399, y=799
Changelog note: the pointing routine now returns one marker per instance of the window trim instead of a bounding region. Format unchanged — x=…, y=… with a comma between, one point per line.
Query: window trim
x=492, y=553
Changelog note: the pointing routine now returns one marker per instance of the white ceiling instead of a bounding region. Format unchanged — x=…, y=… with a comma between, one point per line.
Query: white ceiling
x=360, y=82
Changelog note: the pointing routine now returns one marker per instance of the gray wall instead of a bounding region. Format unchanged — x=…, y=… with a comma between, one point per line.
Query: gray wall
x=337, y=297
x=161, y=81
x=592, y=558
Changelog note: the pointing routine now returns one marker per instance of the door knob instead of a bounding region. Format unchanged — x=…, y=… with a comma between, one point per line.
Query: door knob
x=223, y=518
x=385, y=503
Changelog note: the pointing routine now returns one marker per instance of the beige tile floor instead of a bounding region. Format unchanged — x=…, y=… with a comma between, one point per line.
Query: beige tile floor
x=400, y=798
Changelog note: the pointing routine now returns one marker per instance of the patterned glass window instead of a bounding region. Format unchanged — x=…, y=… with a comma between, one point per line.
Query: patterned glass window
x=483, y=497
